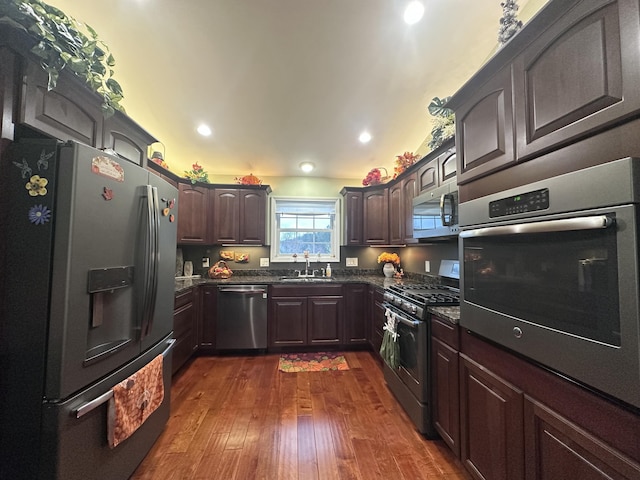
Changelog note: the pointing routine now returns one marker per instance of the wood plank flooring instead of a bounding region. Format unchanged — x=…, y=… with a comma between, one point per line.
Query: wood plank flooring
x=241, y=418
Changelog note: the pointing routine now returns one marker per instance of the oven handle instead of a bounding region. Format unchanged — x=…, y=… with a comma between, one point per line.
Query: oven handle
x=406, y=321
x=564, y=225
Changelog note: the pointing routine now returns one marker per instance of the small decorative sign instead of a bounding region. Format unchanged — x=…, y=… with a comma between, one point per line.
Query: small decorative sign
x=107, y=167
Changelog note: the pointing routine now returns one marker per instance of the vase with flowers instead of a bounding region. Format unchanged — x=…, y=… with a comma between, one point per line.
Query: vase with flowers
x=197, y=174
x=391, y=261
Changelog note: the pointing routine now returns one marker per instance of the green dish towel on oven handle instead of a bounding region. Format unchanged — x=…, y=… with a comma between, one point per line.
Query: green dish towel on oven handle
x=390, y=348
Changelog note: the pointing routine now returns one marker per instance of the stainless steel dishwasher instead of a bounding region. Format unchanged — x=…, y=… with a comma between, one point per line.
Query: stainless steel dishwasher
x=242, y=317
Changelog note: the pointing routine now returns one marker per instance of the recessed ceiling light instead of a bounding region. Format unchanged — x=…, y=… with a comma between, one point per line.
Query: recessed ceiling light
x=413, y=13
x=364, y=137
x=204, y=130
x=307, y=167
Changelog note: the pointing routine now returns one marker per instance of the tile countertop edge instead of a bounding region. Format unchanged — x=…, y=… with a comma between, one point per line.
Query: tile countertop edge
x=451, y=314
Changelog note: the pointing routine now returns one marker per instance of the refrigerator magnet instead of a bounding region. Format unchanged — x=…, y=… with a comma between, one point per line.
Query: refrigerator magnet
x=39, y=214
x=37, y=185
x=107, y=168
x=107, y=193
x=24, y=167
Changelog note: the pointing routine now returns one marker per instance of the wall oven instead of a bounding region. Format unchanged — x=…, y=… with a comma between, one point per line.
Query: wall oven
x=435, y=213
x=550, y=270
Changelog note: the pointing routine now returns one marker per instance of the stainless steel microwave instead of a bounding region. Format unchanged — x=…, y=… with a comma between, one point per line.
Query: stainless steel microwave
x=435, y=213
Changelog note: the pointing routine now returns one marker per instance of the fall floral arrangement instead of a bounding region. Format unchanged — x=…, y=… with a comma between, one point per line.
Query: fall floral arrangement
x=375, y=177
x=386, y=257
x=250, y=179
x=403, y=162
x=197, y=174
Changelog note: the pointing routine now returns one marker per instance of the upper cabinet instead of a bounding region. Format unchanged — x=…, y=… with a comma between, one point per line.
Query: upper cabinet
x=484, y=129
x=192, y=214
x=237, y=215
x=570, y=74
x=375, y=214
x=578, y=77
x=126, y=138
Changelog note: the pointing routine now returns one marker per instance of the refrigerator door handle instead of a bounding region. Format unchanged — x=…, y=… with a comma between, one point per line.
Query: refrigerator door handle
x=149, y=264
x=155, y=257
x=106, y=396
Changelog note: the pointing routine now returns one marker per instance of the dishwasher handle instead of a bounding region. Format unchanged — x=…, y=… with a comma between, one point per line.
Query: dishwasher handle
x=243, y=291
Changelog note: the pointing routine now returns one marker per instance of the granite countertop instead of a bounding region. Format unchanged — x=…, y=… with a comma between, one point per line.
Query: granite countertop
x=377, y=280
x=452, y=314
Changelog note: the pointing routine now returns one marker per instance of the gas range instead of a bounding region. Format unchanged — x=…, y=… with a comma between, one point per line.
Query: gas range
x=414, y=299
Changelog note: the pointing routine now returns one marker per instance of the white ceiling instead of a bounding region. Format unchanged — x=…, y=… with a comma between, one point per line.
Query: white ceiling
x=286, y=81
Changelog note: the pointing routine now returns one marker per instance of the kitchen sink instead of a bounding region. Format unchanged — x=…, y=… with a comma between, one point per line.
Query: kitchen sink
x=306, y=279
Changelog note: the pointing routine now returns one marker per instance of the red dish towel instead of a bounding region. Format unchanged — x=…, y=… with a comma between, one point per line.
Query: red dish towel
x=134, y=399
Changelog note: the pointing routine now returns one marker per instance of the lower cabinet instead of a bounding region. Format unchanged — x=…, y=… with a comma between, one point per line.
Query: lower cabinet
x=519, y=421
x=445, y=363
x=377, y=319
x=304, y=315
x=207, y=323
x=491, y=418
x=185, y=327
x=355, y=313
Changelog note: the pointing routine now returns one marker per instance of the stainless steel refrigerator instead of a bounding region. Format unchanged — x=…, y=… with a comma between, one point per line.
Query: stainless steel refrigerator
x=89, y=265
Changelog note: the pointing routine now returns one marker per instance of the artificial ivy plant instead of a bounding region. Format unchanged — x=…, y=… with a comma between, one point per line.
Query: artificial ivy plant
x=443, y=122
x=63, y=42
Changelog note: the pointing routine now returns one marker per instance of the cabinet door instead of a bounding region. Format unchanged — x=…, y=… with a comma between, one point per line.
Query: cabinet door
x=353, y=218
x=446, y=393
x=184, y=330
x=428, y=176
x=225, y=215
x=491, y=430
x=253, y=213
x=557, y=448
x=376, y=216
x=484, y=129
x=208, y=313
x=409, y=191
x=287, y=321
x=447, y=165
x=8, y=94
x=192, y=214
x=325, y=320
x=126, y=138
x=396, y=214
x=377, y=320
x=355, y=298
x=571, y=81
x=69, y=112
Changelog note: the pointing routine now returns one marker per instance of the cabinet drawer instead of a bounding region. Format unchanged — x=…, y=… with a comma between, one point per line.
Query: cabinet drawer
x=446, y=332
x=183, y=298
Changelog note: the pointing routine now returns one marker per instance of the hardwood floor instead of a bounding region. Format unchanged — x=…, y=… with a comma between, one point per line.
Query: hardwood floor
x=241, y=418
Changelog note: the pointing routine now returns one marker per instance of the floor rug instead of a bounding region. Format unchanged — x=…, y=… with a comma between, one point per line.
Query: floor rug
x=312, y=362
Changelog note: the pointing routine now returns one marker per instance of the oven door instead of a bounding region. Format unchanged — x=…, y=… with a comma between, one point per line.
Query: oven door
x=562, y=290
x=412, y=339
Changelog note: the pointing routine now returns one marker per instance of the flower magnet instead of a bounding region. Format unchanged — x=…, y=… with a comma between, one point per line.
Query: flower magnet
x=36, y=185
x=39, y=214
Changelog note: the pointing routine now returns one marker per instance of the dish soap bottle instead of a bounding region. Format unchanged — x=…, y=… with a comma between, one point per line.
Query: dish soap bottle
x=328, y=270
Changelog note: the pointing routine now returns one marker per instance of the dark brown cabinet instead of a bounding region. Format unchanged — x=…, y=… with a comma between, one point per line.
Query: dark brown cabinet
x=377, y=319
x=409, y=192
x=208, y=314
x=192, y=214
x=237, y=215
x=126, y=138
x=353, y=216
x=396, y=214
x=578, y=77
x=325, y=322
x=428, y=175
x=491, y=424
x=355, y=313
x=568, y=76
x=185, y=327
x=484, y=129
x=445, y=383
x=375, y=214
x=557, y=448
x=306, y=315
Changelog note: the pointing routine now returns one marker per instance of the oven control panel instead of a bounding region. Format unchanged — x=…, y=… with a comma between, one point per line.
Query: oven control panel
x=521, y=203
